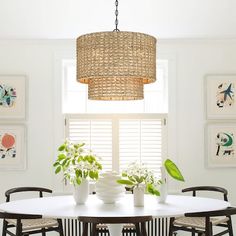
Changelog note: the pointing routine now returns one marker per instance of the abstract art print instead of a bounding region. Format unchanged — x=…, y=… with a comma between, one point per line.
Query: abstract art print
x=12, y=96
x=220, y=95
x=12, y=147
x=221, y=144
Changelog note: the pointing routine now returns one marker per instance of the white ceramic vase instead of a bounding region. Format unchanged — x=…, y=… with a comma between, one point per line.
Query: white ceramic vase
x=107, y=188
x=163, y=187
x=138, y=193
x=163, y=193
x=81, y=192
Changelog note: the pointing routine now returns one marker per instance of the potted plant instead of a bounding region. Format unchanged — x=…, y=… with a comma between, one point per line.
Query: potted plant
x=78, y=166
x=140, y=179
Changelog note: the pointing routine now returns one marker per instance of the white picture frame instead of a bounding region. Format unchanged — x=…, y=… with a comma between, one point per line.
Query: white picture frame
x=220, y=144
x=12, y=147
x=220, y=96
x=12, y=97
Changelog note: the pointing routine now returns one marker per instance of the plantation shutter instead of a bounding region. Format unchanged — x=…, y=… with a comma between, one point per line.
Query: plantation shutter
x=142, y=140
x=96, y=134
x=120, y=140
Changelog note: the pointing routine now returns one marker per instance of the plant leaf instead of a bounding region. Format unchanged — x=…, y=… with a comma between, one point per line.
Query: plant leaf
x=125, y=181
x=78, y=181
x=61, y=157
x=152, y=190
x=173, y=170
x=56, y=164
x=58, y=169
x=62, y=147
x=91, y=174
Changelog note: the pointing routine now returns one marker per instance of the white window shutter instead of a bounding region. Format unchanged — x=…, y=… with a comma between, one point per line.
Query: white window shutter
x=119, y=141
x=141, y=140
x=96, y=134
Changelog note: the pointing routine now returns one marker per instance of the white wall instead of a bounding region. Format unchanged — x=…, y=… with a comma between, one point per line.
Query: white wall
x=194, y=59
x=36, y=61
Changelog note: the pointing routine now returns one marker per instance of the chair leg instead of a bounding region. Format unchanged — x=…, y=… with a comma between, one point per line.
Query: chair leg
x=208, y=229
x=230, y=228
x=60, y=227
x=4, y=228
x=43, y=232
x=171, y=226
x=18, y=228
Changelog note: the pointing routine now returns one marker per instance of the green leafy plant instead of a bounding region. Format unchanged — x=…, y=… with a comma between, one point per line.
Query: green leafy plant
x=137, y=174
x=76, y=163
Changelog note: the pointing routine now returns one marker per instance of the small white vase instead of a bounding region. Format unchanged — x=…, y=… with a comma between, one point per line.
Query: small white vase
x=163, y=186
x=138, y=192
x=81, y=192
x=163, y=193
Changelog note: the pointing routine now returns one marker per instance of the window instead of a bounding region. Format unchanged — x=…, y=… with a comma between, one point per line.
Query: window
x=118, y=131
x=120, y=139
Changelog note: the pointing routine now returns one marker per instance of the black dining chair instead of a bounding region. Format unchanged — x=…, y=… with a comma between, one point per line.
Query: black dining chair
x=138, y=221
x=26, y=226
x=197, y=224
x=18, y=218
x=209, y=223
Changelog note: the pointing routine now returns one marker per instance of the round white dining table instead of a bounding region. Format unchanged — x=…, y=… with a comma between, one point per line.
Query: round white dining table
x=65, y=207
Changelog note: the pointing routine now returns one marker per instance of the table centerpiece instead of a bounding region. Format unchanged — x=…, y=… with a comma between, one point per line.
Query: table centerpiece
x=139, y=179
x=78, y=166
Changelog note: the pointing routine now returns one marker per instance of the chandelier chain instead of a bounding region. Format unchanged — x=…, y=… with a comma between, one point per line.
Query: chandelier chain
x=116, y=14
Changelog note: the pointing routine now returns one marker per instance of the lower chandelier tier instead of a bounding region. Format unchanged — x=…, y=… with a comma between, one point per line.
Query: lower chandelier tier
x=115, y=89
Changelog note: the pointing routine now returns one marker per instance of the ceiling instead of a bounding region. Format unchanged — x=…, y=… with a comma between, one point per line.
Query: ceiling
x=63, y=19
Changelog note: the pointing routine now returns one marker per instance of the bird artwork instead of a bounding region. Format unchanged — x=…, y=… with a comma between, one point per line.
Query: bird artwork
x=225, y=95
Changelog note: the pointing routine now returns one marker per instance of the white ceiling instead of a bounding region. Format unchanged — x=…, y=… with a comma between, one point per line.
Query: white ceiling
x=60, y=19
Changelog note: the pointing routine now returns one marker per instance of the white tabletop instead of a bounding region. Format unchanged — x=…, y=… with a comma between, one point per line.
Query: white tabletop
x=65, y=207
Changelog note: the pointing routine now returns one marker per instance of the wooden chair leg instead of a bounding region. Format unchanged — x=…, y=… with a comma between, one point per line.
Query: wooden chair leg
x=60, y=227
x=230, y=228
x=193, y=234
x=171, y=226
x=4, y=228
x=208, y=229
x=43, y=232
x=18, y=228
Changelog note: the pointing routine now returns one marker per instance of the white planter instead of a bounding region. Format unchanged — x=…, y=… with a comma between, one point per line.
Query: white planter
x=107, y=188
x=163, y=187
x=163, y=193
x=81, y=192
x=138, y=192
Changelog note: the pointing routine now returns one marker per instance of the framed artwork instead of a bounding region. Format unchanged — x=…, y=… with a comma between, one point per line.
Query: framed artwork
x=221, y=144
x=220, y=96
x=12, y=96
x=12, y=147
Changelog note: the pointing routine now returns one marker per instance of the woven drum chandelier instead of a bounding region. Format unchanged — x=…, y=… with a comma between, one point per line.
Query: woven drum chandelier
x=116, y=64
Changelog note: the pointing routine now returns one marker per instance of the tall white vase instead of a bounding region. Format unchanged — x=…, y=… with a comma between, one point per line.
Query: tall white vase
x=138, y=193
x=81, y=192
x=163, y=187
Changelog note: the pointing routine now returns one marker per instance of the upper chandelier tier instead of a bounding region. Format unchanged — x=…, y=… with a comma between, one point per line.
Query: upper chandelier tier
x=116, y=64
